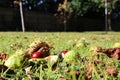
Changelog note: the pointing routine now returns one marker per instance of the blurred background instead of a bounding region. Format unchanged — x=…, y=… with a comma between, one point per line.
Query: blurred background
x=60, y=15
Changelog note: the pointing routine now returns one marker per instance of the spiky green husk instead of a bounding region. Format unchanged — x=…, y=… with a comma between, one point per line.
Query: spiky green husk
x=15, y=60
x=70, y=56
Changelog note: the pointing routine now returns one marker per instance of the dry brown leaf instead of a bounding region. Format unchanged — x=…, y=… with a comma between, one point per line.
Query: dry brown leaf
x=111, y=52
x=1, y=78
x=111, y=71
x=3, y=56
x=89, y=71
x=63, y=79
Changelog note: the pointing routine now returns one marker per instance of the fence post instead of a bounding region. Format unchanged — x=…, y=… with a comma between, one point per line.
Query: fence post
x=22, y=18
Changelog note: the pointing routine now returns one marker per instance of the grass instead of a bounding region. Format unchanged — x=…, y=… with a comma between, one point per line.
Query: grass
x=12, y=41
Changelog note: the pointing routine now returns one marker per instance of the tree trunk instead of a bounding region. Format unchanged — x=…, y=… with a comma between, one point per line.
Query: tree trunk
x=65, y=21
x=109, y=21
x=106, y=16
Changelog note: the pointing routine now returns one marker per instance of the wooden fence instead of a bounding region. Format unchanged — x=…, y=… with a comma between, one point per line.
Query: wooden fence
x=37, y=21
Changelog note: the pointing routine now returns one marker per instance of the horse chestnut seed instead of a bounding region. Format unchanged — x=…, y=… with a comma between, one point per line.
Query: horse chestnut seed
x=36, y=55
x=64, y=51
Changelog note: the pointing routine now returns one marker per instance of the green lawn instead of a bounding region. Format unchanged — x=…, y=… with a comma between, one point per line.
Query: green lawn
x=13, y=41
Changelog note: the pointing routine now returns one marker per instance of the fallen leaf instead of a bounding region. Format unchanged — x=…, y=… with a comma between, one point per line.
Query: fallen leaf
x=3, y=56
x=63, y=79
x=111, y=52
x=1, y=78
x=89, y=71
x=111, y=71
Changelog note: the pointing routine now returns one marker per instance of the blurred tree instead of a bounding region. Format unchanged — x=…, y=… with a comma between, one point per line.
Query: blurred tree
x=68, y=8
x=41, y=5
x=5, y=3
x=80, y=7
x=77, y=8
x=110, y=6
